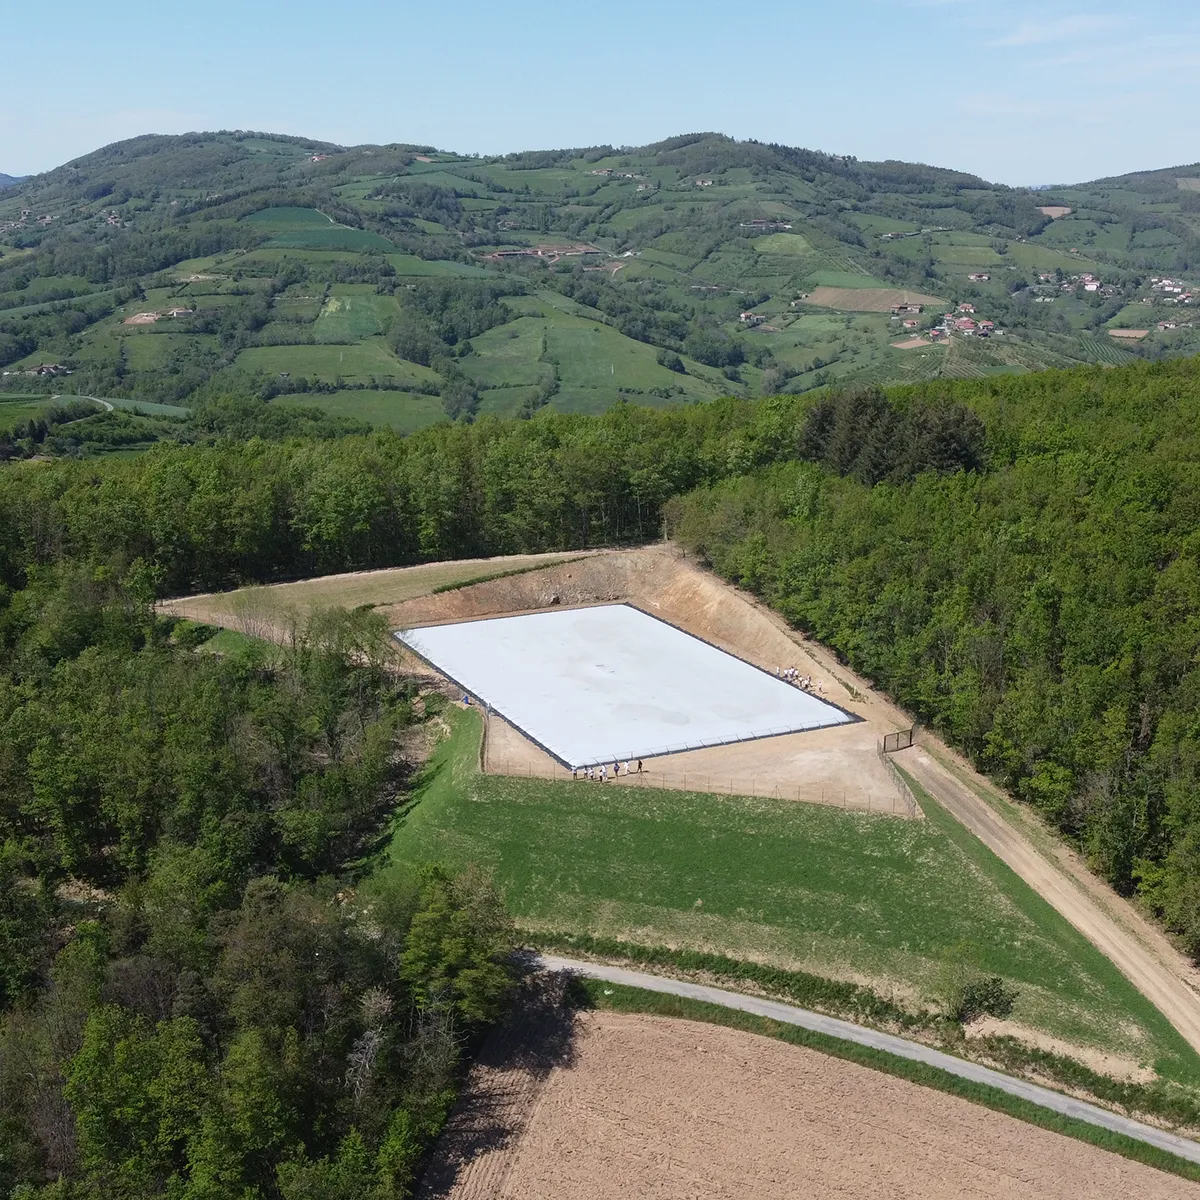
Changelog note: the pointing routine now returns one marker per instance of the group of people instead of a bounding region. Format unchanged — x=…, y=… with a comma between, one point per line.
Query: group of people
x=600, y=773
x=805, y=682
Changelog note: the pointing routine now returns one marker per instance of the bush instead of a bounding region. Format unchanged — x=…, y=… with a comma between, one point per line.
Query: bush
x=985, y=995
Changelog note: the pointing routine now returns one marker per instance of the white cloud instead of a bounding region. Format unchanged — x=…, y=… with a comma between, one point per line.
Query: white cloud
x=1062, y=29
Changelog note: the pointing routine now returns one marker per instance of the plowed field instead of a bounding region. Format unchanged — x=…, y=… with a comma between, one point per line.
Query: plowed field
x=868, y=299
x=648, y=1106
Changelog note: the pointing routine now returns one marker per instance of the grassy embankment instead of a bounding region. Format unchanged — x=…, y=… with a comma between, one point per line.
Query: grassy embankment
x=891, y=904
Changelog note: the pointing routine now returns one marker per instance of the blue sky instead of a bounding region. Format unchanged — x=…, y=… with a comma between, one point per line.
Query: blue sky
x=1016, y=91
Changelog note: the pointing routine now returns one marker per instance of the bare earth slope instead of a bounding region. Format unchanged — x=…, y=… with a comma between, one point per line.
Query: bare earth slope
x=647, y=1106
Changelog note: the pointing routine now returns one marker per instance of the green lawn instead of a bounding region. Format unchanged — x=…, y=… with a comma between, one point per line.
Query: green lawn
x=352, y=363
x=798, y=886
x=403, y=411
x=352, y=313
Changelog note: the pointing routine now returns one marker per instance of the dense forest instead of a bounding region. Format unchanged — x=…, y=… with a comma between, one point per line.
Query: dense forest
x=198, y=995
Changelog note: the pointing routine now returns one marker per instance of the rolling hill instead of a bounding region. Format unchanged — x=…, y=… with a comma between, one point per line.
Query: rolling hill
x=401, y=284
x=9, y=180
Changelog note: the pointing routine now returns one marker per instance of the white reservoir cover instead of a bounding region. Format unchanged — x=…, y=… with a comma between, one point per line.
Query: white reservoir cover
x=592, y=685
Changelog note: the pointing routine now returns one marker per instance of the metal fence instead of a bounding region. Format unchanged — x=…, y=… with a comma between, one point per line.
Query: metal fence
x=901, y=740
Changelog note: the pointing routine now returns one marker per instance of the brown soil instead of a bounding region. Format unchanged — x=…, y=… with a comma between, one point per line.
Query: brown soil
x=647, y=1106
x=267, y=605
x=911, y=344
x=1133, y=334
x=146, y=318
x=836, y=766
x=1055, y=211
x=1113, y=1065
x=868, y=299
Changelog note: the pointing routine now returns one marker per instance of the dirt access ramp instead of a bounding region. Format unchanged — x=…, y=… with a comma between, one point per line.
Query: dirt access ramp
x=265, y=611
x=1140, y=950
x=648, y=1106
x=839, y=766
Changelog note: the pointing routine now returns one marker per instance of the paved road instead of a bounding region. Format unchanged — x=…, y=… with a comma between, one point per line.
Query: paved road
x=103, y=403
x=786, y=1013
x=1143, y=955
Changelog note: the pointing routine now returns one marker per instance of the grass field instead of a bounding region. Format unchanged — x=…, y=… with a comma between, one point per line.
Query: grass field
x=14, y=409
x=783, y=243
x=355, y=363
x=402, y=411
x=806, y=887
x=353, y=313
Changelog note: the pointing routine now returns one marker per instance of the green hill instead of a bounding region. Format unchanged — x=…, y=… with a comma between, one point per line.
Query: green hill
x=572, y=278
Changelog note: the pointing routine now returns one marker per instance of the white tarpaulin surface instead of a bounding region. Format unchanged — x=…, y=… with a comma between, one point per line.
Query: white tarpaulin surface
x=592, y=685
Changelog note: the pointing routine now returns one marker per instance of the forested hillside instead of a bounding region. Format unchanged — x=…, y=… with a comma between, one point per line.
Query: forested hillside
x=195, y=1001
x=399, y=285
x=1012, y=558
x=197, y=998
x=1042, y=611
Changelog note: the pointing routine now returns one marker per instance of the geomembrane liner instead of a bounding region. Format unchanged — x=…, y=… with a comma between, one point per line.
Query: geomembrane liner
x=591, y=685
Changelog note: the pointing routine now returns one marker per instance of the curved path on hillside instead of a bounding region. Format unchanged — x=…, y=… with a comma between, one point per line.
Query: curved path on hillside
x=1137, y=947
x=1140, y=952
x=844, y=1030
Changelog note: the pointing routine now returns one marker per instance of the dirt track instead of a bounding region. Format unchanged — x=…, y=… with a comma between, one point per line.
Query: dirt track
x=647, y=1106
x=1160, y=972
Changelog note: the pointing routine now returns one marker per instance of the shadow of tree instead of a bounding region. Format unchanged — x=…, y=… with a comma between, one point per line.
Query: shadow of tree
x=537, y=1036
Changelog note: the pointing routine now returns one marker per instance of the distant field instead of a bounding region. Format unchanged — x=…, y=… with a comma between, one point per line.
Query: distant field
x=349, y=316
x=284, y=219
x=842, y=279
x=146, y=409
x=333, y=237
x=403, y=411
x=594, y=361
x=508, y=355
x=410, y=264
x=356, y=363
x=783, y=243
x=797, y=885
x=868, y=299
x=308, y=229
x=15, y=409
